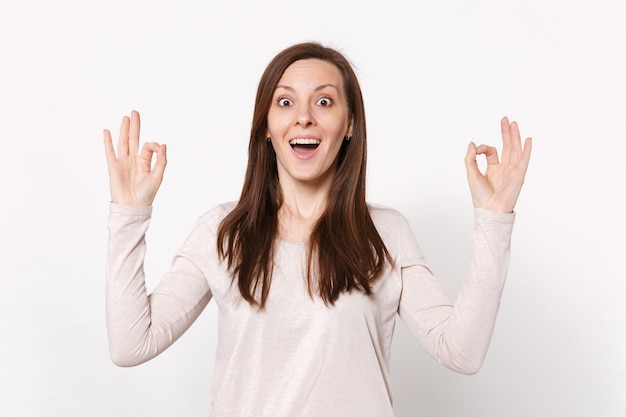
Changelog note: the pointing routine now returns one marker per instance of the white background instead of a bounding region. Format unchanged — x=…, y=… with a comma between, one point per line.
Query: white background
x=434, y=75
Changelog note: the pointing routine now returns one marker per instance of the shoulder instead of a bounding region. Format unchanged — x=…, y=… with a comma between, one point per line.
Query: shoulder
x=391, y=224
x=396, y=231
x=214, y=216
x=386, y=217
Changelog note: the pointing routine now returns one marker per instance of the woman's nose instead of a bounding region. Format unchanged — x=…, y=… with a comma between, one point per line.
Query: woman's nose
x=304, y=117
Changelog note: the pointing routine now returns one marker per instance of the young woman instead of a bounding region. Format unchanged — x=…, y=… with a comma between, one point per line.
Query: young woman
x=308, y=277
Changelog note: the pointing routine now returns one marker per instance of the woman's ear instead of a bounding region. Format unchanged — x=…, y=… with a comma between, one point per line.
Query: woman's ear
x=349, y=132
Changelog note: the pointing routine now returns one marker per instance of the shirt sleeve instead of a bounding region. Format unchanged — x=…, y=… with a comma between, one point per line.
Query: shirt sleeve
x=140, y=325
x=458, y=334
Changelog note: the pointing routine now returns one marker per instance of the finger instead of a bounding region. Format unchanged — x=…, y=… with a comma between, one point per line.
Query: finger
x=109, y=151
x=133, y=134
x=515, y=142
x=491, y=154
x=505, y=129
x=161, y=162
x=471, y=165
x=122, y=140
x=148, y=149
x=525, y=158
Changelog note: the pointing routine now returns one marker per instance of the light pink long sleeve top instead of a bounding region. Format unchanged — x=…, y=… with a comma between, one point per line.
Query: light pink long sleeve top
x=298, y=356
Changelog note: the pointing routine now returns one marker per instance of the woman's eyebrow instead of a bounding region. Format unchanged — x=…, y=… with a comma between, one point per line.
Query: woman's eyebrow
x=320, y=87
x=323, y=86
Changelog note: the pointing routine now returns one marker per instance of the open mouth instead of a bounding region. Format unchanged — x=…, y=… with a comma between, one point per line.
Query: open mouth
x=304, y=146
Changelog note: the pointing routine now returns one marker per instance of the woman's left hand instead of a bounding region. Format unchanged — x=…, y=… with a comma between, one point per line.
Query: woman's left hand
x=499, y=186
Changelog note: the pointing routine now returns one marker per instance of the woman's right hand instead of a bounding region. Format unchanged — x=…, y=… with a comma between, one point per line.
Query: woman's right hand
x=134, y=181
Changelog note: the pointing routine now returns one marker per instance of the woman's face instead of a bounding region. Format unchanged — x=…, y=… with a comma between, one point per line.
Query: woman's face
x=307, y=122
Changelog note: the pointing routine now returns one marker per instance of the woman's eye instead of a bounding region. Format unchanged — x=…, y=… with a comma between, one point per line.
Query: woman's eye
x=284, y=102
x=324, y=102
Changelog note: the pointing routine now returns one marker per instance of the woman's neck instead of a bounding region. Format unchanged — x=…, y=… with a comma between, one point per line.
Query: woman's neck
x=301, y=209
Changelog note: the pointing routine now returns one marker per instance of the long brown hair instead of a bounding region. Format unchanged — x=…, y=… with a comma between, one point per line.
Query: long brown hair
x=350, y=253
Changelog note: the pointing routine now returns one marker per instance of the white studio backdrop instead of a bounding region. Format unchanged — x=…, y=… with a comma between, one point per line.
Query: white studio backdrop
x=435, y=75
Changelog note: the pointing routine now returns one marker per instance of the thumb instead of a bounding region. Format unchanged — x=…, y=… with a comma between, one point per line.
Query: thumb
x=471, y=166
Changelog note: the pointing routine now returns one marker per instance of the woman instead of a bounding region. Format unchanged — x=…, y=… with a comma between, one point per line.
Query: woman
x=308, y=278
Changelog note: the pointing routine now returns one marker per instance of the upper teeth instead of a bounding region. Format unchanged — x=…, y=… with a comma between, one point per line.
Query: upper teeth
x=304, y=141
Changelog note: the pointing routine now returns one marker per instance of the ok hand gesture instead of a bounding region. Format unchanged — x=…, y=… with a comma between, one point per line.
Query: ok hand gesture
x=134, y=181
x=498, y=188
